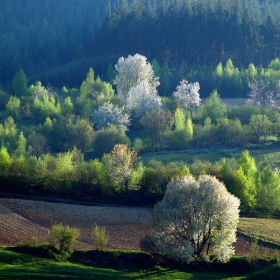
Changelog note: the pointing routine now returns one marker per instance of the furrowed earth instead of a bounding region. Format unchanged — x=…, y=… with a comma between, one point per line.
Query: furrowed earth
x=21, y=219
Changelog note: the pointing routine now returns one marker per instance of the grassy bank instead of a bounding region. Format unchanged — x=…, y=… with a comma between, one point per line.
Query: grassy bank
x=15, y=265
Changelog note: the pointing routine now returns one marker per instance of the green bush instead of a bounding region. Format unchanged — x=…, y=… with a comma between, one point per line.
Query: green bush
x=100, y=237
x=63, y=237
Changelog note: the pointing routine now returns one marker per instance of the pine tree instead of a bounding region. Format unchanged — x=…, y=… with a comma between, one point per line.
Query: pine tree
x=20, y=84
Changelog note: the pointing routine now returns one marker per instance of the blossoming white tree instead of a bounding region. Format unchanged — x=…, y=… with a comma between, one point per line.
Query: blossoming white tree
x=143, y=98
x=195, y=218
x=131, y=71
x=109, y=114
x=188, y=94
x=121, y=162
x=260, y=93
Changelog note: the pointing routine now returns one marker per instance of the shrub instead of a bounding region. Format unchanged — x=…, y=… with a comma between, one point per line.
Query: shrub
x=63, y=237
x=100, y=237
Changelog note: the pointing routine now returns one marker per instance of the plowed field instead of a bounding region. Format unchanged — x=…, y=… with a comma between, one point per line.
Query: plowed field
x=21, y=219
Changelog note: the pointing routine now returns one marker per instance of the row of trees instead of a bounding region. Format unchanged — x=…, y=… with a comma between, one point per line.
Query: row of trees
x=94, y=118
x=68, y=174
x=239, y=30
x=68, y=46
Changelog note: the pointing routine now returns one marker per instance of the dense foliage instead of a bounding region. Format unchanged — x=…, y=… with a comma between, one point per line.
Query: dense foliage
x=195, y=218
x=48, y=127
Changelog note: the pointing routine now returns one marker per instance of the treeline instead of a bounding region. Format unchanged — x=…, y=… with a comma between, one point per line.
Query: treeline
x=42, y=36
x=190, y=37
x=188, y=32
x=53, y=120
x=69, y=176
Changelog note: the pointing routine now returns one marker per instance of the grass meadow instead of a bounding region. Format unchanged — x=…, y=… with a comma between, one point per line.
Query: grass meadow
x=14, y=265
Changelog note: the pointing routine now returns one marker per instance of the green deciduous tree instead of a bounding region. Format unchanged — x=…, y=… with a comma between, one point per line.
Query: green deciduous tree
x=260, y=127
x=46, y=106
x=105, y=139
x=5, y=161
x=21, y=145
x=96, y=89
x=245, y=182
x=157, y=125
x=67, y=107
x=13, y=108
x=64, y=237
x=183, y=132
x=268, y=191
x=213, y=108
x=9, y=134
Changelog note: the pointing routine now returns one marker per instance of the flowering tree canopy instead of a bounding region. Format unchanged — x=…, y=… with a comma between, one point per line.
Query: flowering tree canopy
x=188, y=94
x=109, y=114
x=131, y=71
x=143, y=98
x=121, y=162
x=195, y=217
x=260, y=93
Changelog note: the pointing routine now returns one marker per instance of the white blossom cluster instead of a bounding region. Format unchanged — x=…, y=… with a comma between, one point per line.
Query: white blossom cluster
x=131, y=72
x=188, y=94
x=109, y=114
x=262, y=94
x=143, y=98
x=195, y=217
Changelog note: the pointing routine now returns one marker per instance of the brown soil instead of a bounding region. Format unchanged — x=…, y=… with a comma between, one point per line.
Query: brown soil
x=20, y=220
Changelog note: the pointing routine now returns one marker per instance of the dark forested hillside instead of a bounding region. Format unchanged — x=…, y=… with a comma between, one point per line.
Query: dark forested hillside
x=42, y=35
x=57, y=41
x=194, y=32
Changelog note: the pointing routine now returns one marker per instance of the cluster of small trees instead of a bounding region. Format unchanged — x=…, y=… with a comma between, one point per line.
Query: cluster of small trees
x=66, y=118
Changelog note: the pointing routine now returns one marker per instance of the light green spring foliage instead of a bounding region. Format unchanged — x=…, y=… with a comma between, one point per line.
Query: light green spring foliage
x=213, y=108
x=63, y=237
x=21, y=145
x=260, y=126
x=64, y=164
x=219, y=70
x=195, y=218
x=5, y=160
x=251, y=72
x=179, y=119
x=47, y=127
x=183, y=132
x=245, y=182
x=100, y=237
x=137, y=174
x=67, y=106
x=9, y=134
x=46, y=106
x=229, y=70
x=268, y=191
x=96, y=89
x=13, y=108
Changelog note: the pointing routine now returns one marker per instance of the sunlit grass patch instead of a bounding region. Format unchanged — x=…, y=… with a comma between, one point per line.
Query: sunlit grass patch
x=267, y=229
